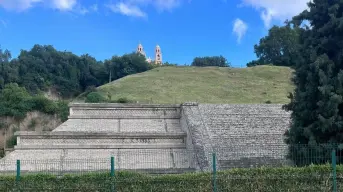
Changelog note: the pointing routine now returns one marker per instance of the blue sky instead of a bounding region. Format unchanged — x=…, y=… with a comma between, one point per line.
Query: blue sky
x=184, y=29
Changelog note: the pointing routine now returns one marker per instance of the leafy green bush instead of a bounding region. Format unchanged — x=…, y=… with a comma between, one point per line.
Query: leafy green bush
x=290, y=179
x=120, y=100
x=43, y=104
x=62, y=110
x=94, y=97
x=15, y=101
x=123, y=100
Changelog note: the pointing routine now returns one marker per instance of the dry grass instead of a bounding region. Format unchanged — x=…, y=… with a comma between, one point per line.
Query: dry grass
x=206, y=85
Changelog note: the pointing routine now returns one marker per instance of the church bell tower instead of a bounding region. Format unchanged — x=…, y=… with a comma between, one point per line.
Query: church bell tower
x=158, y=55
x=140, y=49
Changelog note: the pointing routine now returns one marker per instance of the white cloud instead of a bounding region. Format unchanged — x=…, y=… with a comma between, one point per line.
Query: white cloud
x=61, y=5
x=162, y=5
x=18, y=5
x=135, y=7
x=279, y=10
x=127, y=9
x=239, y=28
x=64, y=5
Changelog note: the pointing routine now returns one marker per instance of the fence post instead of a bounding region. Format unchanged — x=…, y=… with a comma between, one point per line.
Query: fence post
x=112, y=166
x=18, y=170
x=214, y=163
x=112, y=175
x=334, y=175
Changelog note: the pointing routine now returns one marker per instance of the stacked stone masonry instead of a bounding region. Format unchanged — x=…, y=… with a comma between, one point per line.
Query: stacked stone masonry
x=155, y=138
x=247, y=135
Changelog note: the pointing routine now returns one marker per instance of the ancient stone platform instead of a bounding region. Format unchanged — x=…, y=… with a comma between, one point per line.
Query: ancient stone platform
x=155, y=138
x=242, y=135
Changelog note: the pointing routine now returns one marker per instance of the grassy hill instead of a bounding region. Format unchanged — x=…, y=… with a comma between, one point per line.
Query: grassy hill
x=204, y=84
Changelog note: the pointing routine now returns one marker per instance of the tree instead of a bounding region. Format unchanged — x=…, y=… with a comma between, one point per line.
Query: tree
x=43, y=68
x=255, y=63
x=121, y=66
x=94, y=97
x=218, y=61
x=14, y=101
x=317, y=104
x=7, y=74
x=278, y=47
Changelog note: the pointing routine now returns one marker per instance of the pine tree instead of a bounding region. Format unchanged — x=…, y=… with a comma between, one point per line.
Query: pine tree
x=317, y=105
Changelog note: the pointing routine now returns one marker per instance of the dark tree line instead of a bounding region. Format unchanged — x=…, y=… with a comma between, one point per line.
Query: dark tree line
x=43, y=68
x=218, y=61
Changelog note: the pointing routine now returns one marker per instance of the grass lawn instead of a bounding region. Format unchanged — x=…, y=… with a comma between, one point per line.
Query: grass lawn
x=204, y=84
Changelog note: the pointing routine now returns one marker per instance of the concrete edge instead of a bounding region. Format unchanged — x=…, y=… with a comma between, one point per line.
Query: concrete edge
x=114, y=146
x=122, y=105
x=120, y=117
x=100, y=134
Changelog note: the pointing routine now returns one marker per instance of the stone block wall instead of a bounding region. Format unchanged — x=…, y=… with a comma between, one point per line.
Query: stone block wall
x=76, y=160
x=123, y=111
x=158, y=137
x=110, y=140
x=140, y=137
x=87, y=117
x=241, y=135
x=198, y=138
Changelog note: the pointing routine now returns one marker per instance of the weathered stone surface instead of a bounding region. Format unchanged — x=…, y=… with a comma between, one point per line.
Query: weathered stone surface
x=89, y=125
x=198, y=137
x=156, y=137
x=72, y=160
x=145, y=137
x=110, y=140
x=247, y=135
x=120, y=111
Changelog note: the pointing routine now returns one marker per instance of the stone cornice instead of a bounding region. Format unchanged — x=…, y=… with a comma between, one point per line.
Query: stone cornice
x=120, y=105
x=99, y=135
x=115, y=146
x=121, y=117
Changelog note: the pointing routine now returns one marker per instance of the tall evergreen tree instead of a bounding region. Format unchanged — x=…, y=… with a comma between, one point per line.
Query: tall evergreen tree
x=317, y=105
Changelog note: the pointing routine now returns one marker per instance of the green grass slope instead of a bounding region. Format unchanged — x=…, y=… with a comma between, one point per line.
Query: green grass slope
x=204, y=84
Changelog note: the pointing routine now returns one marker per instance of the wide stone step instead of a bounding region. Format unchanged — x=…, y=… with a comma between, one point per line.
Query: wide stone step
x=120, y=125
x=88, y=135
x=87, y=160
x=86, y=140
x=123, y=111
x=101, y=146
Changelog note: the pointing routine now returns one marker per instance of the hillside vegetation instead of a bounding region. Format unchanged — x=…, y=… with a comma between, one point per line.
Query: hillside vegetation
x=260, y=84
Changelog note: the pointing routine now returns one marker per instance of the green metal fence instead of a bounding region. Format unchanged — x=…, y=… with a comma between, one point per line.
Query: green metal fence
x=317, y=168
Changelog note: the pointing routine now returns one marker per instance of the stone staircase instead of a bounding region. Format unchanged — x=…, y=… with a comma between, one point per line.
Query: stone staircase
x=246, y=135
x=155, y=139
x=139, y=137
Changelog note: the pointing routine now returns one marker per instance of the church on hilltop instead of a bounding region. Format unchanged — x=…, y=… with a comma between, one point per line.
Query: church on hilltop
x=158, y=54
